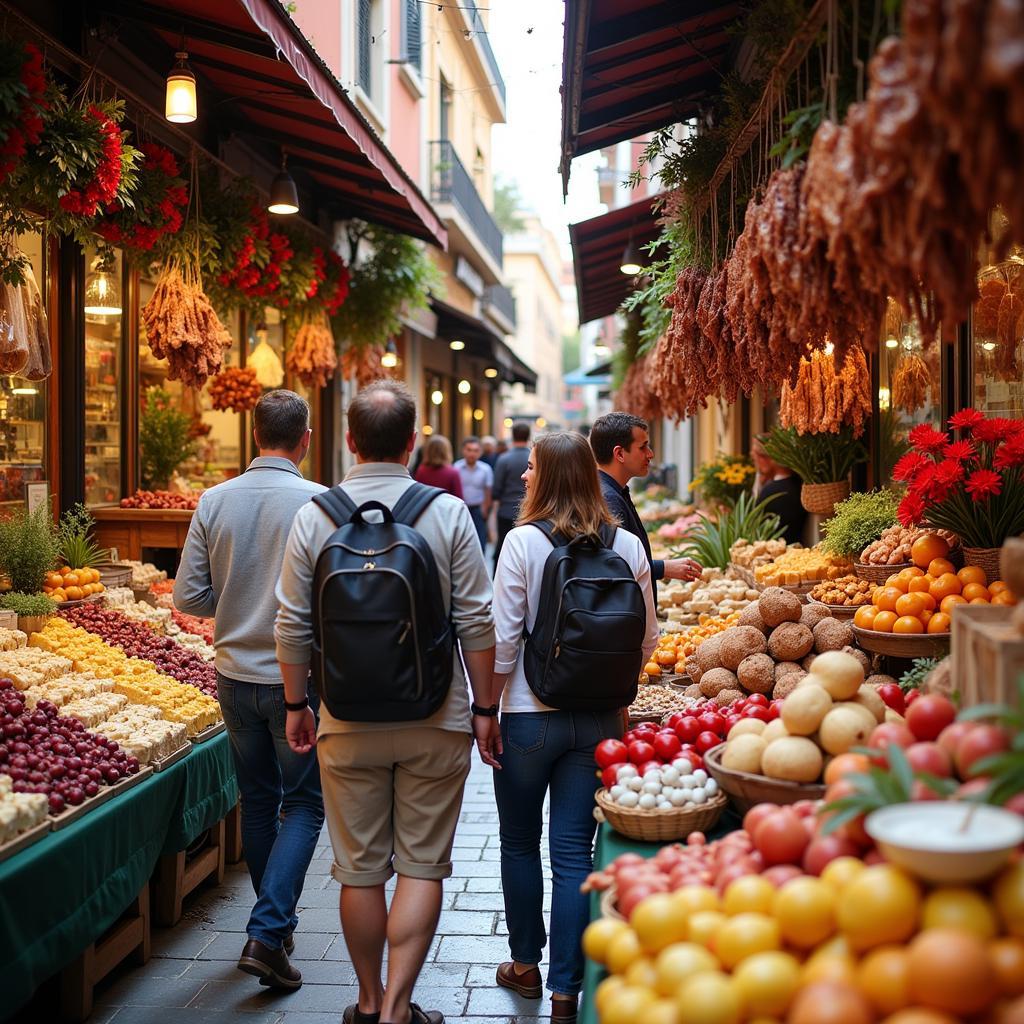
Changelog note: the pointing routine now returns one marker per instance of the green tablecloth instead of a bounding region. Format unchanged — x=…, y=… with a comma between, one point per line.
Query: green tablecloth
x=608, y=846
x=65, y=891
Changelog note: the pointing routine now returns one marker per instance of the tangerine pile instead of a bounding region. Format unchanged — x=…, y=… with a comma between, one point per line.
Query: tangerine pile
x=69, y=584
x=921, y=598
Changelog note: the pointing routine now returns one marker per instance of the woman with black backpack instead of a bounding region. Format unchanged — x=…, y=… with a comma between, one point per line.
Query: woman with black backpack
x=579, y=590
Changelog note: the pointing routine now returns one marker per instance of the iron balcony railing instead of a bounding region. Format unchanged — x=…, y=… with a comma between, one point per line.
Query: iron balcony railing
x=502, y=299
x=492, y=63
x=452, y=183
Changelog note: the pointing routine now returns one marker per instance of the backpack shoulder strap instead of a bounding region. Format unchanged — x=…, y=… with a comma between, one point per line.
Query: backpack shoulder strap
x=414, y=502
x=556, y=539
x=607, y=534
x=337, y=504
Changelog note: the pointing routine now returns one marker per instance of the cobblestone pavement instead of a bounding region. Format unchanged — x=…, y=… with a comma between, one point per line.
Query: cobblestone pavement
x=192, y=978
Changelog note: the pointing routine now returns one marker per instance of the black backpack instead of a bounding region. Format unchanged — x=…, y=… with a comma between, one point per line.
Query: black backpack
x=382, y=644
x=586, y=648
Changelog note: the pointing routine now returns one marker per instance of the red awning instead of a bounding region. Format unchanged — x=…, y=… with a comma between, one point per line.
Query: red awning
x=598, y=246
x=631, y=66
x=274, y=88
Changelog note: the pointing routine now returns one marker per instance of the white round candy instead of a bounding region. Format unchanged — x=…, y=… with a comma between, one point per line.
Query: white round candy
x=699, y=795
x=663, y=804
x=680, y=797
x=628, y=799
x=701, y=776
x=652, y=774
x=688, y=782
x=667, y=791
x=682, y=766
x=626, y=771
x=654, y=788
x=635, y=783
x=670, y=775
x=648, y=802
x=616, y=791
x=711, y=787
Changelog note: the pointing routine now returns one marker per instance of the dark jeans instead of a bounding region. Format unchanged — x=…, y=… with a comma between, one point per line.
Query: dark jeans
x=272, y=779
x=549, y=751
x=505, y=527
x=480, y=522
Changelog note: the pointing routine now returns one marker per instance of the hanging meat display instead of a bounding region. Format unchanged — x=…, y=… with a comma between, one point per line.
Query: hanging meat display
x=635, y=395
x=824, y=401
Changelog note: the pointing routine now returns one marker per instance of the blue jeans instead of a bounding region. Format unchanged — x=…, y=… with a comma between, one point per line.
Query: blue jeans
x=480, y=522
x=274, y=783
x=549, y=750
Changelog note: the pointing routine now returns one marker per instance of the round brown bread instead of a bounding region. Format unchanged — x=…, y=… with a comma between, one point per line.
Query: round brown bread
x=738, y=642
x=756, y=673
x=777, y=606
x=832, y=635
x=718, y=679
x=751, y=616
x=790, y=641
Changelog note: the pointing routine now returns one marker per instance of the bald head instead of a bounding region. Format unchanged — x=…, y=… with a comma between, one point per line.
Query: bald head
x=382, y=422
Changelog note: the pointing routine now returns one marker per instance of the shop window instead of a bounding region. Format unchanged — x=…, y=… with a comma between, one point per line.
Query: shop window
x=104, y=419
x=23, y=403
x=997, y=330
x=909, y=385
x=217, y=434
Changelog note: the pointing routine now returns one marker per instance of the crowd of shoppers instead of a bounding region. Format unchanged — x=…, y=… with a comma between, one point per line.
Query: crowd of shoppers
x=388, y=777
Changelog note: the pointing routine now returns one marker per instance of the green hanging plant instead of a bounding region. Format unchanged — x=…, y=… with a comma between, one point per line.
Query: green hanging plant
x=165, y=440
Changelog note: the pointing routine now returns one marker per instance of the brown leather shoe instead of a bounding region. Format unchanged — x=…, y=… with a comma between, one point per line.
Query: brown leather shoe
x=271, y=966
x=528, y=984
x=564, y=1010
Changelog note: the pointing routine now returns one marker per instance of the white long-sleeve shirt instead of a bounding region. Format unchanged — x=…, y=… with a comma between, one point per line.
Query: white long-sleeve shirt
x=517, y=585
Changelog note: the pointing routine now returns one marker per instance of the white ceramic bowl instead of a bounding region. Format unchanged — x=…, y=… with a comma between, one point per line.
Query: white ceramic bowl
x=928, y=840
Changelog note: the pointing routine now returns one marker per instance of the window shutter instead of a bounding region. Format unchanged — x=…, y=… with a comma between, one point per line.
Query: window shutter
x=364, y=27
x=413, y=33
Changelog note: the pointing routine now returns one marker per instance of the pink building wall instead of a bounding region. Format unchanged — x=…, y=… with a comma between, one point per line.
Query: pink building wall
x=321, y=25
x=404, y=122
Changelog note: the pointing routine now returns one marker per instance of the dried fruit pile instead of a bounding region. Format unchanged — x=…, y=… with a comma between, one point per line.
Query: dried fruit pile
x=235, y=389
x=162, y=500
x=823, y=401
x=312, y=357
x=183, y=327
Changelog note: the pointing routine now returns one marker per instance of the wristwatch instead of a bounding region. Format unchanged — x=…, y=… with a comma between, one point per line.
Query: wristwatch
x=491, y=712
x=298, y=706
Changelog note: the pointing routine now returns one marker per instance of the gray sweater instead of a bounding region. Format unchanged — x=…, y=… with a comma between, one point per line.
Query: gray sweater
x=232, y=559
x=509, y=489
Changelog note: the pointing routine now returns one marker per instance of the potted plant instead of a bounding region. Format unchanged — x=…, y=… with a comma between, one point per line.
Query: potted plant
x=973, y=486
x=858, y=521
x=32, y=610
x=822, y=461
x=165, y=438
x=722, y=481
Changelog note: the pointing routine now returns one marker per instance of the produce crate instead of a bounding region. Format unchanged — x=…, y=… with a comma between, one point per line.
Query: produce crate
x=988, y=654
x=178, y=874
x=128, y=938
x=8, y=619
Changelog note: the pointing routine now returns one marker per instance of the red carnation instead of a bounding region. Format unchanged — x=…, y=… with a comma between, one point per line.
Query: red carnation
x=908, y=466
x=1010, y=454
x=911, y=510
x=992, y=431
x=983, y=484
x=925, y=438
x=966, y=419
x=959, y=450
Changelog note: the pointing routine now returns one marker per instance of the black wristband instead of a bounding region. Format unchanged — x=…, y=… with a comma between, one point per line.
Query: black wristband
x=298, y=706
x=491, y=712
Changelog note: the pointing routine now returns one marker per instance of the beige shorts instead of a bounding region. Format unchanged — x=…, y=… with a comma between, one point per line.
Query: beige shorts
x=392, y=800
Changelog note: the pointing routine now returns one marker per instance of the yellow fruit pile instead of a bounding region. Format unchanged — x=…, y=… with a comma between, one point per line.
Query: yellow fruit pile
x=69, y=584
x=802, y=565
x=138, y=680
x=859, y=945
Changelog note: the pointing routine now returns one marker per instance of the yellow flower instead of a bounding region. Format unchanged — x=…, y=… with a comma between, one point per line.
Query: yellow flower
x=720, y=475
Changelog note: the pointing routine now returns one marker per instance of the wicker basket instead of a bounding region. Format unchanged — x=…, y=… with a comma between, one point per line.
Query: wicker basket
x=746, y=789
x=113, y=574
x=986, y=558
x=878, y=573
x=821, y=499
x=609, y=901
x=661, y=826
x=837, y=611
x=903, y=645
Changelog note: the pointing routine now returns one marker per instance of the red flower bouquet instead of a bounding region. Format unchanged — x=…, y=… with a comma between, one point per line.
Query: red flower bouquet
x=973, y=486
x=22, y=101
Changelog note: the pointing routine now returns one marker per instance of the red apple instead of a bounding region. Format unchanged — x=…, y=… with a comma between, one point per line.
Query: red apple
x=930, y=758
x=929, y=715
x=979, y=743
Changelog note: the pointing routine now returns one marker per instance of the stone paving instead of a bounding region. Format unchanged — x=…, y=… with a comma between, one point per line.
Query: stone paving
x=192, y=977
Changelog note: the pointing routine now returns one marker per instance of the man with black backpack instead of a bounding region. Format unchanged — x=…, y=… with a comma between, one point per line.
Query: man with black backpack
x=383, y=584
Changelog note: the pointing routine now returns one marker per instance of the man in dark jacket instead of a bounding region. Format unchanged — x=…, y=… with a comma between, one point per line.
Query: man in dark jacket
x=622, y=449
x=509, y=489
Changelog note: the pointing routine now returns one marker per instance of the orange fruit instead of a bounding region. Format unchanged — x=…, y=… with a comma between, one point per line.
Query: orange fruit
x=908, y=624
x=951, y=970
x=64, y=570
x=652, y=668
x=830, y=1002
x=58, y=595
x=997, y=587
x=74, y=593
x=884, y=621
x=930, y=603
x=973, y=590
x=920, y=584
x=972, y=574
x=844, y=764
x=883, y=976
x=979, y=600
x=910, y=604
x=864, y=616
x=665, y=657
x=899, y=582
x=1007, y=956
x=71, y=579
x=938, y=566
x=912, y=572
x=926, y=615
x=927, y=548
x=949, y=603
x=939, y=623
x=886, y=598
x=945, y=585
x=1004, y=597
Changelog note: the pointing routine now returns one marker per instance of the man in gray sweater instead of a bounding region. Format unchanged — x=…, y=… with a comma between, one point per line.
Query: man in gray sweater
x=229, y=567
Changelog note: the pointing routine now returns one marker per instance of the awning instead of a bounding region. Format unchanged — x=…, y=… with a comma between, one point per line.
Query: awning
x=598, y=245
x=581, y=378
x=260, y=76
x=631, y=66
x=483, y=342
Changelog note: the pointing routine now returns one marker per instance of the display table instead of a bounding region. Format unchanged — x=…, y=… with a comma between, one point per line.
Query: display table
x=129, y=530
x=610, y=844
x=63, y=893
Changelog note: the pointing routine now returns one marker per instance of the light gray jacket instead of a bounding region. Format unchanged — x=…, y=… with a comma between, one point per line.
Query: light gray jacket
x=232, y=559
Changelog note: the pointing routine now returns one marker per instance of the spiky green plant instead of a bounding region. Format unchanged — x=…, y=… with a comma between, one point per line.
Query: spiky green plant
x=708, y=542
x=77, y=548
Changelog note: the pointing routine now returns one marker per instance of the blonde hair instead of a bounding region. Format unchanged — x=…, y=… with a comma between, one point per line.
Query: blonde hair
x=437, y=451
x=565, y=489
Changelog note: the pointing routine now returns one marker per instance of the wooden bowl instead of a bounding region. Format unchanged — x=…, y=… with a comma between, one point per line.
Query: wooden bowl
x=745, y=789
x=903, y=645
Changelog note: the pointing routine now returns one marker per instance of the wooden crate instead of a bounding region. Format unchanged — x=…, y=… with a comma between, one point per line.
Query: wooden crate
x=988, y=654
x=128, y=938
x=178, y=874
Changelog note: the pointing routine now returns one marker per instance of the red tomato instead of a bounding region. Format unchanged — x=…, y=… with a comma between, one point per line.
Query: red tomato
x=609, y=752
x=631, y=736
x=756, y=815
x=707, y=740
x=929, y=715
x=824, y=850
x=712, y=721
x=667, y=746
x=646, y=729
x=781, y=874
x=756, y=711
x=886, y=734
x=893, y=696
x=630, y=897
x=1015, y=803
x=696, y=761
x=758, y=698
x=781, y=838
x=979, y=743
x=688, y=729
x=912, y=695
x=950, y=737
x=640, y=751
x=805, y=808
x=774, y=710
x=609, y=776
x=931, y=758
